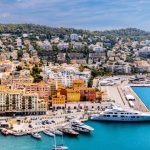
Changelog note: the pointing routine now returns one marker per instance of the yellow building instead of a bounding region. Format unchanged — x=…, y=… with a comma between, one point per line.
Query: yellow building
x=58, y=100
x=78, y=83
x=73, y=95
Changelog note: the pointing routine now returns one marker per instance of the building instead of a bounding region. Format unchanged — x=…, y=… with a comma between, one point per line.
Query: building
x=142, y=66
x=63, y=46
x=19, y=42
x=15, y=102
x=45, y=45
x=79, y=93
x=96, y=57
x=58, y=101
x=72, y=95
x=74, y=37
x=61, y=57
x=144, y=52
x=87, y=94
x=17, y=78
x=42, y=89
x=78, y=45
x=79, y=83
x=66, y=74
x=53, y=87
x=120, y=69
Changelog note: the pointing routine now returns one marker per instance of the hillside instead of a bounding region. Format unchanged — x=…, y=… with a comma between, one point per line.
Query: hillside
x=46, y=30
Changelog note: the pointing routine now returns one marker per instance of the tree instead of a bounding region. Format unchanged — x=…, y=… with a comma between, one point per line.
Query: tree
x=90, y=82
x=36, y=74
x=19, y=54
x=81, y=68
x=37, y=78
x=18, y=68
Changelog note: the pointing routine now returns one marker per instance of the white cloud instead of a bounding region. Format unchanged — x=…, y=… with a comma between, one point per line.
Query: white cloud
x=5, y=15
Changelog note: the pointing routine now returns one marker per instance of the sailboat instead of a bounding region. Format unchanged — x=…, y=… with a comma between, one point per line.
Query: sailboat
x=60, y=146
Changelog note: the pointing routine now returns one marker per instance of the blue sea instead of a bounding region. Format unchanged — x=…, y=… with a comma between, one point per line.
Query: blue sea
x=143, y=93
x=106, y=136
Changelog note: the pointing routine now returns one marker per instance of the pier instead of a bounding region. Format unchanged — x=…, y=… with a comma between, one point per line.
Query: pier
x=118, y=94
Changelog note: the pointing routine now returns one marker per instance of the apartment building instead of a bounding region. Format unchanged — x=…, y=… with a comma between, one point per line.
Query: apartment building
x=58, y=101
x=15, y=102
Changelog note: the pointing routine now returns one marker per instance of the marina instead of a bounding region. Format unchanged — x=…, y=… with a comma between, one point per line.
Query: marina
x=116, y=135
x=128, y=104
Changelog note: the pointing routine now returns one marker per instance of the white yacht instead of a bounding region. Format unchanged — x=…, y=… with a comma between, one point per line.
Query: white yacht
x=119, y=114
x=49, y=133
x=36, y=135
x=80, y=127
x=55, y=131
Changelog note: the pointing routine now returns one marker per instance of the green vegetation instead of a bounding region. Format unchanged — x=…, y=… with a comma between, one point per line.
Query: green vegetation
x=46, y=32
x=97, y=72
x=18, y=68
x=40, y=30
x=81, y=68
x=36, y=74
x=90, y=82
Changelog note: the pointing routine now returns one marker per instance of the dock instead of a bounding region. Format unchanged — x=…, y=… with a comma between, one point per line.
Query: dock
x=118, y=94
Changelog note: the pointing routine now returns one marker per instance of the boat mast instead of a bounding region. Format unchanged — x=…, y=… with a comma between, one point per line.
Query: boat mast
x=54, y=141
x=62, y=140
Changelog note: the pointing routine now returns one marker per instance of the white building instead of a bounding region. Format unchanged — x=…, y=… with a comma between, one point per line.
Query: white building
x=19, y=42
x=45, y=45
x=66, y=75
x=74, y=37
x=77, y=45
x=63, y=45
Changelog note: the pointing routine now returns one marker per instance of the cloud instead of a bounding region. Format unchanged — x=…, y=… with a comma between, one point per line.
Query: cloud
x=5, y=15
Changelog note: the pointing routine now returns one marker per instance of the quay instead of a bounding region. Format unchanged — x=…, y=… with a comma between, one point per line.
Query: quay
x=117, y=93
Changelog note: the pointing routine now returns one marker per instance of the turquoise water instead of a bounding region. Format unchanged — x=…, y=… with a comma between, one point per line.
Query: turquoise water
x=144, y=94
x=107, y=136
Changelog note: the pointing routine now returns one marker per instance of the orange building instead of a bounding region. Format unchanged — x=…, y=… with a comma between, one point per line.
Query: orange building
x=87, y=94
x=42, y=89
x=78, y=83
x=72, y=95
x=58, y=101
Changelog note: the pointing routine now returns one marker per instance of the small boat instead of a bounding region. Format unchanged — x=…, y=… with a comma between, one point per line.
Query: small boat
x=49, y=133
x=36, y=135
x=68, y=131
x=18, y=133
x=5, y=131
x=59, y=147
x=80, y=127
x=55, y=131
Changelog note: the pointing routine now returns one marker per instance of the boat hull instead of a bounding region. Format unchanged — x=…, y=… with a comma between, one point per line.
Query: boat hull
x=79, y=129
x=60, y=148
x=119, y=119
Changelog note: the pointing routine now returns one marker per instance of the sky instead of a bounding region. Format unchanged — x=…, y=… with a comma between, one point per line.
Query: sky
x=83, y=14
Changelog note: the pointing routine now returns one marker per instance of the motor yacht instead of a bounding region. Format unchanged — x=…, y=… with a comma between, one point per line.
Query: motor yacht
x=120, y=114
x=36, y=135
x=56, y=132
x=69, y=131
x=80, y=127
x=49, y=133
